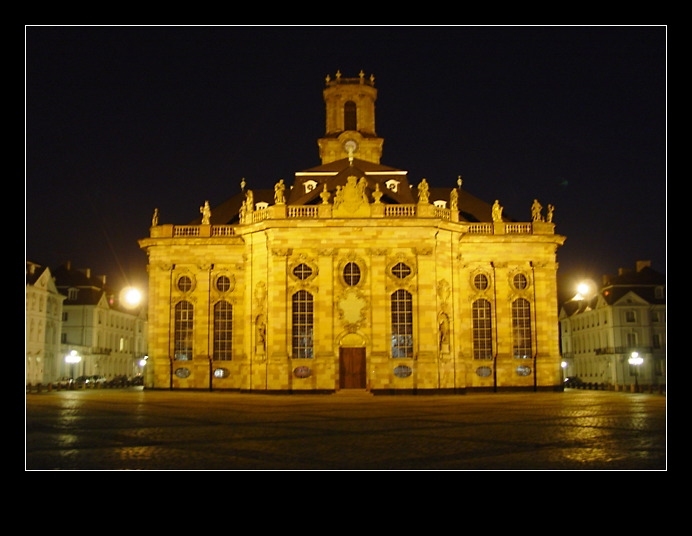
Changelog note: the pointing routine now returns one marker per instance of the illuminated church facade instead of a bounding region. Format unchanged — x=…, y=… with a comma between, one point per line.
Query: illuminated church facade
x=352, y=278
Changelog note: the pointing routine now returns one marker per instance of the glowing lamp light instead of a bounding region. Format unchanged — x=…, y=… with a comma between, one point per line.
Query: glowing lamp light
x=73, y=357
x=585, y=290
x=635, y=359
x=130, y=297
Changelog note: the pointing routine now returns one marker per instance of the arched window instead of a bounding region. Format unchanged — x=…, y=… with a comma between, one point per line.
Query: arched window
x=223, y=331
x=184, y=316
x=350, y=119
x=482, y=330
x=402, y=323
x=303, y=324
x=521, y=329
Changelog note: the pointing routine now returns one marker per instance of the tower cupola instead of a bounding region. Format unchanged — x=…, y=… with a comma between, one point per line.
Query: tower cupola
x=350, y=120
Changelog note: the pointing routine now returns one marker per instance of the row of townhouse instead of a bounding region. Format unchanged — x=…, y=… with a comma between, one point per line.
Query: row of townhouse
x=614, y=335
x=77, y=326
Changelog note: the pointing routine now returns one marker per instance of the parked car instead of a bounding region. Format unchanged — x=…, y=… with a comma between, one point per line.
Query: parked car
x=118, y=381
x=573, y=381
x=90, y=380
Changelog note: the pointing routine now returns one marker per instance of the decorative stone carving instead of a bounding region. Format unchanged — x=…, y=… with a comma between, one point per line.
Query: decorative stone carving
x=352, y=307
x=351, y=200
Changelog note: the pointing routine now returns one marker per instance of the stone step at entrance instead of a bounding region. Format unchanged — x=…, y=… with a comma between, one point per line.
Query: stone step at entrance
x=352, y=392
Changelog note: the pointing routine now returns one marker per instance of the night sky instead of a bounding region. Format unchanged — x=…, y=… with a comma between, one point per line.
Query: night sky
x=120, y=120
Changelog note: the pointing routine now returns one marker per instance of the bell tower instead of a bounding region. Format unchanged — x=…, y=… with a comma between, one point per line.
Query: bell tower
x=350, y=108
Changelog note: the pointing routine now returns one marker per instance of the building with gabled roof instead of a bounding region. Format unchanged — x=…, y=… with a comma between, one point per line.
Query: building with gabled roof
x=109, y=337
x=43, y=319
x=353, y=278
x=624, y=317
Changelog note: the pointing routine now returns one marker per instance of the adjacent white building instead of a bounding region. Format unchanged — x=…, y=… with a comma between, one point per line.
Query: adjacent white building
x=603, y=335
x=72, y=312
x=43, y=306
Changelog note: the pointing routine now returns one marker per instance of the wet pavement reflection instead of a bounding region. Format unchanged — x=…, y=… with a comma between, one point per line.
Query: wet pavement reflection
x=133, y=429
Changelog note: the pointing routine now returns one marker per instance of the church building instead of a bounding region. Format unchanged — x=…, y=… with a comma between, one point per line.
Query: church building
x=354, y=278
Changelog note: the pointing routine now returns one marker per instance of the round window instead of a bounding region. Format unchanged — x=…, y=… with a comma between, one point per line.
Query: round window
x=520, y=281
x=223, y=283
x=184, y=284
x=480, y=281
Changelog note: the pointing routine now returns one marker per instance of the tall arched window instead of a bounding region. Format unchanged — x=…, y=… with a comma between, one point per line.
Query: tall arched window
x=402, y=323
x=303, y=324
x=482, y=330
x=521, y=328
x=350, y=120
x=184, y=316
x=223, y=331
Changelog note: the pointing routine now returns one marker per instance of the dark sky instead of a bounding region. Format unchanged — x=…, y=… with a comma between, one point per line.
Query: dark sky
x=120, y=120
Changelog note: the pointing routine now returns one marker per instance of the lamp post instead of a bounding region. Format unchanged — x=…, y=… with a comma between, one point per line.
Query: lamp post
x=563, y=368
x=72, y=358
x=635, y=360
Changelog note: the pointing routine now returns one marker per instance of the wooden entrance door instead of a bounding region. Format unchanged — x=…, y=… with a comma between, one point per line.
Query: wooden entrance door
x=352, y=368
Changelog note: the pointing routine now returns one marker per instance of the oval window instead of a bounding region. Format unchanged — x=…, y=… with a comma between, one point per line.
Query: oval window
x=484, y=372
x=302, y=372
x=182, y=372
x=351, y=274
x=221, y=373
x=523, y=370
x=403, y=371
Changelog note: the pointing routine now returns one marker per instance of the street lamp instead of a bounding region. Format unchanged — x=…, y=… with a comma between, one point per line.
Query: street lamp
x=72, y=358
x=586, y=290
x=635, y=361
x=130, y=297
x=563, y=367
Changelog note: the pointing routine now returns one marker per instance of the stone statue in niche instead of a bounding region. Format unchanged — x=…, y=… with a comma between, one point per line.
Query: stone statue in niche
x=444, y=332
x=261, y=340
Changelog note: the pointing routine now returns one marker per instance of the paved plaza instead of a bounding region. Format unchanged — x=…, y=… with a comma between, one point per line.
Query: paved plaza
x=134, y=429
